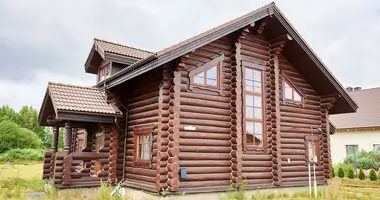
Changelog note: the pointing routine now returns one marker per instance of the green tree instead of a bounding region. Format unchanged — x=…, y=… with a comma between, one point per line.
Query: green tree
x=7, y=113
x=340, y=172
x=333, y=171
x=361, y=174
x=351, y=174
x=13, y=136
x=372, y=175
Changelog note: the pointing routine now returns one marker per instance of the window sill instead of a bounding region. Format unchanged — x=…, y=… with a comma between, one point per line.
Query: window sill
x=142, y=164
x=251, y=150
x=205, y=89
x=293, y=104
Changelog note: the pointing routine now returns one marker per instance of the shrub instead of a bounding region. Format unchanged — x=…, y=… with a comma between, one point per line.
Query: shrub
x=350, y=159
x=372, y=175
x=22, y=154
x=351, y=174
x=340, y=172
x=367, y=163
x=12, y=137
x=362, y=154
x=361, y=174
x=374, y=155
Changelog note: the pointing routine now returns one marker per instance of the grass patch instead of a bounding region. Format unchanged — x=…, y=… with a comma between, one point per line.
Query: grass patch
x=25, y=172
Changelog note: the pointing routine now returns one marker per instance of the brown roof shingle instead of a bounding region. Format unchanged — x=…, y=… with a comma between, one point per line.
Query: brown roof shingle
x=366, y=116
x=120, y=49
x=78, y=98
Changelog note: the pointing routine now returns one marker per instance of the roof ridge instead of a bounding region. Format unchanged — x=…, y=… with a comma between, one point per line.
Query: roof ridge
x=122, y=45
x=71, y=85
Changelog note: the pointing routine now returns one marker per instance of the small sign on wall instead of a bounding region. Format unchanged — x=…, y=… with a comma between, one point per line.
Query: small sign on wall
x=190, y=128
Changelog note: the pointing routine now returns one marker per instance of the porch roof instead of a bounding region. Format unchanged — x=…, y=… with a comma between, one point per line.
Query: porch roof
x=76, y=103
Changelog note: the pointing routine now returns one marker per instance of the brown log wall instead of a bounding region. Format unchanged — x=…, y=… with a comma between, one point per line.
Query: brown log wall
x=142, y=110
x=205, y=152
x=296, y=123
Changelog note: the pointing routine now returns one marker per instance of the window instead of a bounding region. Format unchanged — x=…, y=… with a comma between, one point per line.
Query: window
x=253, y=108
x=207, y=78
x=290, y=91
x=143, y=147
x=312, y=149
x=351, y=149
x=104, y=72
x=99, y=140
x=376, y=147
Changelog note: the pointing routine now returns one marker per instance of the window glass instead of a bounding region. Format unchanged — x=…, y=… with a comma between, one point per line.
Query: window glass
x=297, y=97
x=351, y=149
x=253, y=108
x=200, y=78
x=146, y=147
x=140, y=147
x=257, y=75
x=376, y=147
x=288, y=91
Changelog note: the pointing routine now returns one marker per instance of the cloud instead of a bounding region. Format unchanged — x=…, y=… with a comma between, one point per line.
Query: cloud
x=43, y=41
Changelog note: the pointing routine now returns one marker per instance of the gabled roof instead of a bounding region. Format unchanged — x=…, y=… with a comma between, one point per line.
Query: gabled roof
x=297, y=52
x=63, y=98
x=105, y=50
x=107, y=46
x=367, y=115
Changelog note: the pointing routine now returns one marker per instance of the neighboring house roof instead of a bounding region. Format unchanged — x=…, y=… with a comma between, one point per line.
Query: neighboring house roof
x=65, y=98
x=315, y=71
x=367, y=115
x=106, y=46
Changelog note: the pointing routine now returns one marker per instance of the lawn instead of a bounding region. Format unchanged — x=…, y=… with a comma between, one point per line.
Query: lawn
x=22, y=171
x=16, y=180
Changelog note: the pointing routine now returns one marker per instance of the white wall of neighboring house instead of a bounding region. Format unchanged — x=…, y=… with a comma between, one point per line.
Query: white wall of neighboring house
x=365, y=139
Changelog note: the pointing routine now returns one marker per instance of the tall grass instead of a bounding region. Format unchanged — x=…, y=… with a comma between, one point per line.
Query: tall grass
x=22, y=154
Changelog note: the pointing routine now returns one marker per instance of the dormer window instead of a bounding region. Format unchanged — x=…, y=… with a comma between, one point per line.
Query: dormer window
x=103, y=73
x=291, y=93
x=207, y=78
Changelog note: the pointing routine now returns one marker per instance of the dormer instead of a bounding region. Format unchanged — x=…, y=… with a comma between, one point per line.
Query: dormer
x=106, y=58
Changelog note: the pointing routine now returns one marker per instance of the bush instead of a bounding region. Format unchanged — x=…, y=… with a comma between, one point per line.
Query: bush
x=351, y=174
x=12, y=137
x=367, y=163
x=22, y=154
x=374, y=155
x=350, y=159
x=361, y=174
x=372, y=175
x=340, y=172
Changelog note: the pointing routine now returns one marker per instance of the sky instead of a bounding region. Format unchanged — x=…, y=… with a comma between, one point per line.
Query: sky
x=42, y=40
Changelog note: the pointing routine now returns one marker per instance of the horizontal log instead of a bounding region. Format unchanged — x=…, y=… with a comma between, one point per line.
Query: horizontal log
x=205, y=149
x=204, y=163
x=204, y=142
x=208, y=170
x=205, y=97
x=253, y=157
x=208, y=129
x=258, y=175
x=190, y=115
x=206, y=110
x=208, y=177
x=205, y=103
x=204, y=122
x=200, y=135
x=194, y=184
x=256, y=164
x=204, y=156
x=247, y=169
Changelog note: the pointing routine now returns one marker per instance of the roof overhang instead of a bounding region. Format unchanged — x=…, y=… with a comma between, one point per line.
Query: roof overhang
x=97, y=55
x=49, y=115
x=297, y=51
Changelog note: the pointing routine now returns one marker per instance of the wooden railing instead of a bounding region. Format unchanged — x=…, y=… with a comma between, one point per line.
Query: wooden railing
x=81, y=169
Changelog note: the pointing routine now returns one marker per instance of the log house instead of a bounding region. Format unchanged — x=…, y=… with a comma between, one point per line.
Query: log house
x=248, y=100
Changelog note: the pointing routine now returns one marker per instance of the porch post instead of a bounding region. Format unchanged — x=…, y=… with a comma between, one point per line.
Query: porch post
x=67, y=138
x=54, y=139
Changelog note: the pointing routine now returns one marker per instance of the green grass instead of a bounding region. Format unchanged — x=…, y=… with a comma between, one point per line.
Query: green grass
x=26, y=172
